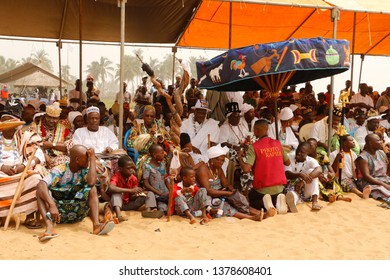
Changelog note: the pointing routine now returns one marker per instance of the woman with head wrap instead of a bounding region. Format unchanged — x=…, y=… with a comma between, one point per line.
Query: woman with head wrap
x=76, y=120
x=211, y=177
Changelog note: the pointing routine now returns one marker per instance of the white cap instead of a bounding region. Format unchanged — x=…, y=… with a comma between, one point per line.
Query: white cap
x=286, y=113
x=246, y=108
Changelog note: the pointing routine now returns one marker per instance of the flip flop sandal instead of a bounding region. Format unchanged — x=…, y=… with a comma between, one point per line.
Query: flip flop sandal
x=106, y=228
x=47, y=236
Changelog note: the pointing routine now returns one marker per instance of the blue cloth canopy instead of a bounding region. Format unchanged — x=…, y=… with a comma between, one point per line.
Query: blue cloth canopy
x=274, y=65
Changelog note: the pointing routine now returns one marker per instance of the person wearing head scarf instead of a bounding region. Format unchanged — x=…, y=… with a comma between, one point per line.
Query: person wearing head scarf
x=57, y=139
x=76, y=120
x=248, y=118
x=211, y=177
x=16, y=147
x=151, y=131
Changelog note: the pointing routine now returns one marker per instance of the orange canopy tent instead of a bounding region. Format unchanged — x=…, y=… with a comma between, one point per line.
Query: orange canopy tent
x=261, y=21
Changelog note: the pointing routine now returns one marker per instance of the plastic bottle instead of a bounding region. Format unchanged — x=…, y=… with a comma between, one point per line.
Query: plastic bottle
x=220, y=210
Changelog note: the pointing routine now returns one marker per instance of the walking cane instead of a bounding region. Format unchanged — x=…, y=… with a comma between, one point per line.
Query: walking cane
x=19, y=188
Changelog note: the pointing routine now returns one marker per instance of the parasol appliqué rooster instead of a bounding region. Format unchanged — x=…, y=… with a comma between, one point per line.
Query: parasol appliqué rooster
x=239, y=65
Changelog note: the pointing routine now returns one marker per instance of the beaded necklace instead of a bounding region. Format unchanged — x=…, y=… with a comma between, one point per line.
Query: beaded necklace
x=237, y=136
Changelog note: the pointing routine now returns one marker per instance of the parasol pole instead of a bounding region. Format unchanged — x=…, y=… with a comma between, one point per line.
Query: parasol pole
x=276, y=116
x=335, y=16
x=121, y=72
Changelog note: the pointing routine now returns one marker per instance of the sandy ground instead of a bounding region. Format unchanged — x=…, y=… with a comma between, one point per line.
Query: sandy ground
x=340, y=231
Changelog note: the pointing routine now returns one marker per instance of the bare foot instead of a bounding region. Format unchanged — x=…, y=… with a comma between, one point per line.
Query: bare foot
x=347, y=199
x=270, y=213
x=259, y=217
x=332, y=198
x=316, y=207
x=204, y=221
x=122, y=219
x=366, y=192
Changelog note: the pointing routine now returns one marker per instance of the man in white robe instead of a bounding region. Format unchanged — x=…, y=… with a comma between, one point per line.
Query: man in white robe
x=101, y=138
x=198, y=127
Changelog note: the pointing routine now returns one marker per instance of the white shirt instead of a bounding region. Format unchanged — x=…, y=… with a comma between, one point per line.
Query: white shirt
x=385, y=124
x=99, y=140
x=232, y=134
x=358, y=98
x=305, y=167
x=347, y=167
x=199, y=132
x=361, y=133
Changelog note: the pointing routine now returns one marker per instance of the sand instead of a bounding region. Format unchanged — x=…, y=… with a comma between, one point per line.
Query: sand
x=340, y=231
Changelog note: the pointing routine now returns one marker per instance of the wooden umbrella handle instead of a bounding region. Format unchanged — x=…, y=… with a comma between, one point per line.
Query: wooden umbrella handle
x=19, y=189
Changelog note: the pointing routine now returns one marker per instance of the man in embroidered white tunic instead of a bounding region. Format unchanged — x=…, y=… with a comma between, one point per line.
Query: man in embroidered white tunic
x=101, y=138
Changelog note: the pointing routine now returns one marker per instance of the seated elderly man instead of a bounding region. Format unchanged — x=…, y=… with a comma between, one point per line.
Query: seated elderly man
x=102, y=140
x=68, y=194
x=56, y=137
x=15, y=149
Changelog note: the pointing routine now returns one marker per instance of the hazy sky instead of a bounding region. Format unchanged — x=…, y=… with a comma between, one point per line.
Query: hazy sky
x=375, y=70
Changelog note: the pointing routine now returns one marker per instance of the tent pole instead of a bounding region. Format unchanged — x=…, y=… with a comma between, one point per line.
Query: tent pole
x=230, y=24
x=174, y=50
x=81, y=50
x=59, y=45
x=121, y=72
x=361, y=69
x=335, y=16
x=353, y=49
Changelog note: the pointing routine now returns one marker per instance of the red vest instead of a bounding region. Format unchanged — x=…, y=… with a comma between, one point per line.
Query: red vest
x=268, y=170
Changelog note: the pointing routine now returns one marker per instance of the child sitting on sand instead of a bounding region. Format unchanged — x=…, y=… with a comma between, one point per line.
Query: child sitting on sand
x=126, y=195
x=153, y=179
x=189, y=198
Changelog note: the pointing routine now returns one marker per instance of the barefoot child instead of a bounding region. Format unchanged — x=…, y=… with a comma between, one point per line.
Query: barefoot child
x=189, y=199
x=153, y=174
x=126, y=195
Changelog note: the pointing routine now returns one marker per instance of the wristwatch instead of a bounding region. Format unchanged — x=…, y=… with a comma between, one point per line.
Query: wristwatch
x=54, y=145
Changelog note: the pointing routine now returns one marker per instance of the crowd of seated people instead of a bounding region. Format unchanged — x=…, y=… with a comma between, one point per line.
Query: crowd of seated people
x=238, y=165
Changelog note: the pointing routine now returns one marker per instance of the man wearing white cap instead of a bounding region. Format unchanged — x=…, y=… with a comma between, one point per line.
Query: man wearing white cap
x=372, y=124
x=286, y=134
x=248, y=118
x=101, y=138
x=199, y=127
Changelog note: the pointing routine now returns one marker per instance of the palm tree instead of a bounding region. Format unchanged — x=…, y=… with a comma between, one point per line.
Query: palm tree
x=26, y=60
x=105, y=69
x=2, y=64
x=41, y=58
x=93, y=69
x=192, y=61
